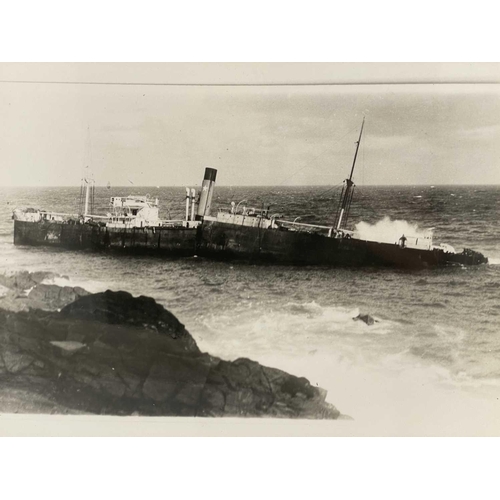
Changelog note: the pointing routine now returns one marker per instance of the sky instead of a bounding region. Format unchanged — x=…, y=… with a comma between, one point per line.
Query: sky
x=150, y=135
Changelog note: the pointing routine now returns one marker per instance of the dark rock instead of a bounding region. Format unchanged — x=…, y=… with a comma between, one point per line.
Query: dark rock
x=16, y=361
x=39, y=276
x=123, y=309
x=110, y=382
x=111, y=353
x=177, y=378
x=244, y=387
x=132, y=383
x=294, y=386
x=75, y=336
x=369, y=320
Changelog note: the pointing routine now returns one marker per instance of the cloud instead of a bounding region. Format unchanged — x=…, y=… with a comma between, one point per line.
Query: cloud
x=388, y=141
x=485, y=133
x=413, y=134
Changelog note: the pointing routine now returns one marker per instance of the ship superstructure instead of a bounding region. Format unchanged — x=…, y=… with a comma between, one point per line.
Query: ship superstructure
x=132, y=224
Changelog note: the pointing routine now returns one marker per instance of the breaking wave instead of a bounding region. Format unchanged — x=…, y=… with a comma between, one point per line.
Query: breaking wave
x=295, y=328
x=89, y=285
x=390, y=231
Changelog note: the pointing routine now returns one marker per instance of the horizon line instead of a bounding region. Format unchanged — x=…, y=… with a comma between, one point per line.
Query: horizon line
x=251, y=185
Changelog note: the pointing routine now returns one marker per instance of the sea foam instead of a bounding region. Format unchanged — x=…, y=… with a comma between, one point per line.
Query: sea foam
x=390, y=231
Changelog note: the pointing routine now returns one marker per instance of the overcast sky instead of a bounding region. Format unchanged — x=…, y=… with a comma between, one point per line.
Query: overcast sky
x=278, y=135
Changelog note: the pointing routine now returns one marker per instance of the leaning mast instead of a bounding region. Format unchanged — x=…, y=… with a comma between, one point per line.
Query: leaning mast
x=348, y=189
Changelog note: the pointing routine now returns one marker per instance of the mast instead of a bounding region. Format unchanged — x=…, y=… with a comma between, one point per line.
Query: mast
x=348, y=189
x=87, y=185
x=87, y=198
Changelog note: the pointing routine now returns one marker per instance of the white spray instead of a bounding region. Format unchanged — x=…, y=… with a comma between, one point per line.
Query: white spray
x=390, y=231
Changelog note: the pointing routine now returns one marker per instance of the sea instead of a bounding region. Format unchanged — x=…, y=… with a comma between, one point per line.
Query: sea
x=430, y=365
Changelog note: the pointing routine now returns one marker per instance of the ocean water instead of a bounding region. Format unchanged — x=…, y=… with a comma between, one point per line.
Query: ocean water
x=430, y=364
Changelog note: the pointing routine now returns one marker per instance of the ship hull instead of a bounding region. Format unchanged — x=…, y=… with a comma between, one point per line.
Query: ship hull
x=166, y=241
x=223, y=241
x=232, y=241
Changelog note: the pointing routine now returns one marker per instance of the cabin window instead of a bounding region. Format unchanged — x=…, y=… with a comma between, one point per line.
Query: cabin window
x=134, y=212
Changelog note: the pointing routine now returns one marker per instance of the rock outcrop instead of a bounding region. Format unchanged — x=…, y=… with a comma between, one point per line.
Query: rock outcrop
x=112, y=353
x=24, y=290
x=24, y=280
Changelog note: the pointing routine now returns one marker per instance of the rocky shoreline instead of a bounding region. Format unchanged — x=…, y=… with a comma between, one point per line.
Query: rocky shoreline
x=64, y=350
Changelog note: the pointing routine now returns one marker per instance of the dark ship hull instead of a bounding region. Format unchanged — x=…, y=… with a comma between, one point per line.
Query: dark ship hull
x=166, y=241
x=233, y=241
x=223, y=241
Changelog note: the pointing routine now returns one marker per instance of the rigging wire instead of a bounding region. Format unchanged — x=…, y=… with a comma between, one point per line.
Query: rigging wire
x=332, y=188
x=316, y=157
x=363, y=169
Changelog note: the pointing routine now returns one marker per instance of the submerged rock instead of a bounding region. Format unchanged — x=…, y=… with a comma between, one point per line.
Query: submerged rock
x=112, y=353
x=366, y=318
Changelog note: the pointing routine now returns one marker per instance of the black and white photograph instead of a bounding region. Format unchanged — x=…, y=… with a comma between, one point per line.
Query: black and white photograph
x=188, y=246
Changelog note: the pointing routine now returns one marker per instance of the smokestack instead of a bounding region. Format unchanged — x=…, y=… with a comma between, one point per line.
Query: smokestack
x=193, y=202
x=187, y=204
x=207, y=189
